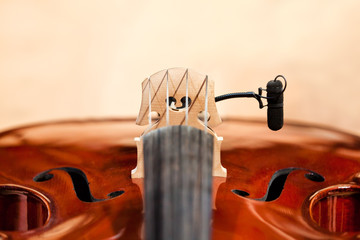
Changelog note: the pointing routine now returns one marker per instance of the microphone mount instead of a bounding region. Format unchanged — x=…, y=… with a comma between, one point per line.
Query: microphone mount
x=258, y=96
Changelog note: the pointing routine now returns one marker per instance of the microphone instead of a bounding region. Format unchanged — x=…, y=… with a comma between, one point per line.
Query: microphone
x=275, y=99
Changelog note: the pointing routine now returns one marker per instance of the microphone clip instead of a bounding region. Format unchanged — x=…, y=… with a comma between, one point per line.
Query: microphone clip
x=258, y=96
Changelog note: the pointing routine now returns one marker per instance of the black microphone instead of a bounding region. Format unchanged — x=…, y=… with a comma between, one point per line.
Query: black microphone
x=275, y=112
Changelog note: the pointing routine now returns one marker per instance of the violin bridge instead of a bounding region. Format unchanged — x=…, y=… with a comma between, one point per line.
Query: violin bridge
x=178, y=96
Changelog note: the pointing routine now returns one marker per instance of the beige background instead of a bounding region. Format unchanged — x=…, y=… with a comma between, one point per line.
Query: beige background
x=80, y=59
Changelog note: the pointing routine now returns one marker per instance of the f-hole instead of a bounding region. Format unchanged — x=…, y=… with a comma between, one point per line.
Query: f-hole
x=277, y=182
x=80, y=183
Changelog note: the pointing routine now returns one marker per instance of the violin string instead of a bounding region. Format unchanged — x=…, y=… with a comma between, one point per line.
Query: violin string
x=187, y=98
x=149, y=84
x=194, y=100
x=206, y=104
x=167, y=97
x=154, y=95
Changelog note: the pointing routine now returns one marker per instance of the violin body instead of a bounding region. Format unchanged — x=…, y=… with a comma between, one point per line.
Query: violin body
x=72, y=180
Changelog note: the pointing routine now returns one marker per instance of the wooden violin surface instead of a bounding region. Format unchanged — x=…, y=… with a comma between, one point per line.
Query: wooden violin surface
x=72, y=180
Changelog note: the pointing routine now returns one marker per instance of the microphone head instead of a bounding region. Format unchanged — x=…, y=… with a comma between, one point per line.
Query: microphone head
x=275, y=111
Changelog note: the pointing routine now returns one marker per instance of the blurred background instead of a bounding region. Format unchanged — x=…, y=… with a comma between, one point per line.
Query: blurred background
x=87, y=59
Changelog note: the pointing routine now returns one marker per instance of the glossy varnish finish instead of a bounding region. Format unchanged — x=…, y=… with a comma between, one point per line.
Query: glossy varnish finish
x=105, y=151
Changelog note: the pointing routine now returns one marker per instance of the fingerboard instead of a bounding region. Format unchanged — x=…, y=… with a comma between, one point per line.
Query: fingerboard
x=178, y=183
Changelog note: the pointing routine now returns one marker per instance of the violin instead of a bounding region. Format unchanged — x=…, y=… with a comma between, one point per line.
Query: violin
x=180, y=174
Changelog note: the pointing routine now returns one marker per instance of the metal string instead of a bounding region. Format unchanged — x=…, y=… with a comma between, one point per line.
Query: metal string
x=187, y=98
x=149, y=84
x=167, y=97
x=206, y=104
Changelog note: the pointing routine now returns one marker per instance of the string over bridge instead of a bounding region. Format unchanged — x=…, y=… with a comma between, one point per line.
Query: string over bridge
x=178, y=96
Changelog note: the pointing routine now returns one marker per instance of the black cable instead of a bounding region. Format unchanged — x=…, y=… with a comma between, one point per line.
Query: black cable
x=281, y=76
x=242, y=95
x=236, y=95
